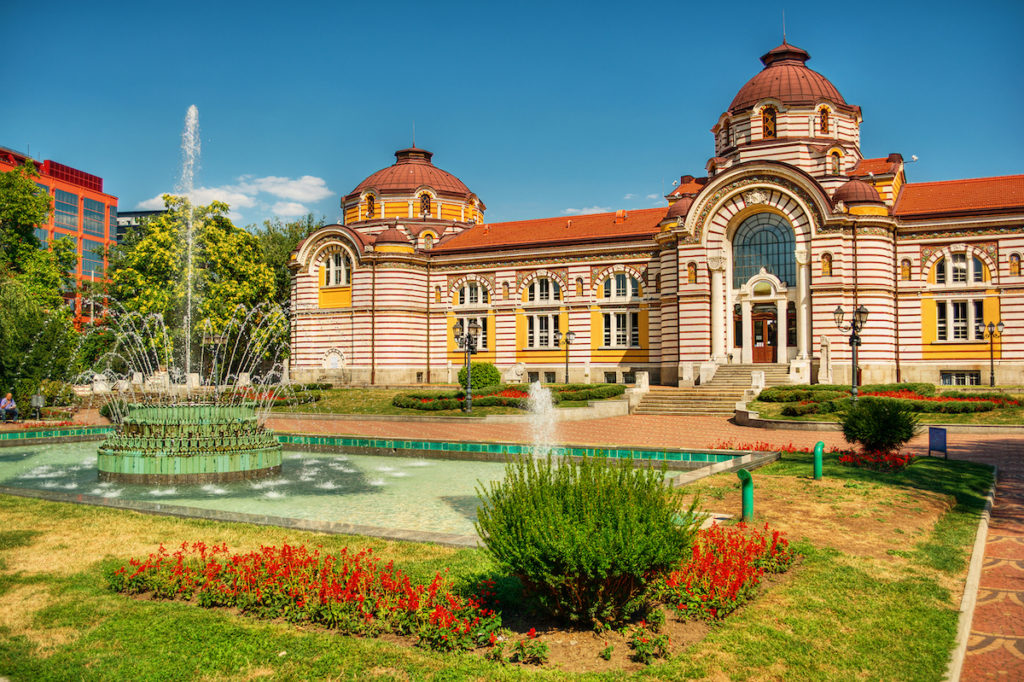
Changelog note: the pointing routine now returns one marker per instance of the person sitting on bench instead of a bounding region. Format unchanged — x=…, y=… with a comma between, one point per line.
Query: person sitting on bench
x=8, y=409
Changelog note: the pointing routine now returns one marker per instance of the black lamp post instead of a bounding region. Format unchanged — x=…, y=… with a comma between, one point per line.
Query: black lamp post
x=990, y=333
x=859, y=319
x=467, y=342
x=569, y=337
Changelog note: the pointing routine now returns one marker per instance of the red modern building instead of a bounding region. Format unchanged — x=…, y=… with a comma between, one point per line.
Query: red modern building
x=80, y=210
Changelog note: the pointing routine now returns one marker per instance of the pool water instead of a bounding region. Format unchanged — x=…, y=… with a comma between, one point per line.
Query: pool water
x=389, y=492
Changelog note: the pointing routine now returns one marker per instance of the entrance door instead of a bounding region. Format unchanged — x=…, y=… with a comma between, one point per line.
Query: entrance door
x=763, y=335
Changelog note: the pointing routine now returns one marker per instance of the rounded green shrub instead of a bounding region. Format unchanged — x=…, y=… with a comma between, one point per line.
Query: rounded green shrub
x=484, y=374
x=587, y=539
x=879, y=424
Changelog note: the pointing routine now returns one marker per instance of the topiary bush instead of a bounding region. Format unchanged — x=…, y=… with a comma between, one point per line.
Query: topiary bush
x=879, y=425
x=484, y=374
x=588, y=540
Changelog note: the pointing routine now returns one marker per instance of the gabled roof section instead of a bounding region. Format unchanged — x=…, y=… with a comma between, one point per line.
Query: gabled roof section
x=688, y=185
x=882, y=166
x=957, y=197
x=597, y=227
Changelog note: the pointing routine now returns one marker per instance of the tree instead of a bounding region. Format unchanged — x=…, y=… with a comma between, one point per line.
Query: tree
x=149, y=272
x=23, y=205
x=277, y=241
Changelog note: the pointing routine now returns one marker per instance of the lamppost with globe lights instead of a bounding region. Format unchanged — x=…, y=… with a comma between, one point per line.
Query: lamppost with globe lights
x=859, y=319
x=991, y=332
x=568, y=337
x=467, y=342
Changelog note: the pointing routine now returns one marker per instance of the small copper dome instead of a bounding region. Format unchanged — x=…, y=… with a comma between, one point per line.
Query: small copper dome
x=857, y=192
x=680, y=208
x=412, y=169
x=392, y=235
x=786, y=78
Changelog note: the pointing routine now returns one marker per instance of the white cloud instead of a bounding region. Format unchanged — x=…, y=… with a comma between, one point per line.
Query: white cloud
x=289, y=209
x=653, y=196
x=629, y=196
x=586, y=210
x=306, y=188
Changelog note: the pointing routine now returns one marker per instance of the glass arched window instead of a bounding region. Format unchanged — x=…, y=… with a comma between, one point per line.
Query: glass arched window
x=424, y=204
x=835, y=163
x=978, y=270
x=371, y=206
x=905, y=269
x=473, y=294
x=768, y=121
x=823, y=121
x=826, y=265
x=940, y=271
x=543, y=289
x=621, y=286
x=1015, y=265
x=338, y=270
x=764, y=240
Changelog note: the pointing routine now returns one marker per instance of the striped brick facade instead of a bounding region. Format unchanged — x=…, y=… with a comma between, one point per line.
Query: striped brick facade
x=858, y=234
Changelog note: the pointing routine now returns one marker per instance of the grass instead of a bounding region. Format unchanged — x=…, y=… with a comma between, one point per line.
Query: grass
x=837, y=615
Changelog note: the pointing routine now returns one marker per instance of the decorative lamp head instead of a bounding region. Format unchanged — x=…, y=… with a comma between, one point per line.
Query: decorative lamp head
x=474, y=328
x=861, y=317
x=458, y=328
x=570, y=337
x=838, y=315
x=1000, y=327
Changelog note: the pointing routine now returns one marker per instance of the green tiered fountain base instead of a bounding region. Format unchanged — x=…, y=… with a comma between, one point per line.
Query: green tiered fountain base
x=189, y=444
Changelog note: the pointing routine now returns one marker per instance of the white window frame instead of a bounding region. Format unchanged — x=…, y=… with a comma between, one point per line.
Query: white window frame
x=541, y=329
x=620, y=328
x=961, y=268
x=543, y=290
x=481, y=338
x=966, y=328
x=473, y=294
x=338, y=270
x=621, y=286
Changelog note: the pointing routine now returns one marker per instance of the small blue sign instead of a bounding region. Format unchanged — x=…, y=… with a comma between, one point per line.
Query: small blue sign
x=937, y=440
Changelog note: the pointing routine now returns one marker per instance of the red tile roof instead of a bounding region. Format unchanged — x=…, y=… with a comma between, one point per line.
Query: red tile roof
x=640, y=224
x=786, y=78
x=412, y=170
x=689, y=185
x=974, y=195
x=883, y=166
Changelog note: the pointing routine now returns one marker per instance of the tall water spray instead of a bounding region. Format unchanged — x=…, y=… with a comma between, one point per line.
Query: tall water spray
x=190, y=148
x=542, y=419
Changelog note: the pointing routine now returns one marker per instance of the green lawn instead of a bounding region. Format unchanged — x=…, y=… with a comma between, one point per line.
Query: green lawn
x=835, y=616
x=1007, y=416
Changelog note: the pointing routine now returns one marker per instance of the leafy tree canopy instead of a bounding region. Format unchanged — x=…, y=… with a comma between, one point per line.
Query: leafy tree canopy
x=22, y=206
x=277, y=241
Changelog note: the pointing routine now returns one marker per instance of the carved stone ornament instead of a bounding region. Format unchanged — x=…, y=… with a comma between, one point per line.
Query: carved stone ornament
x=755, y=196
x=802, y=256
x=716, y=262
x=840, y=207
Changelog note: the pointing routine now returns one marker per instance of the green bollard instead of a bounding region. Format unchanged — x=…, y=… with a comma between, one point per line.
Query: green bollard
x=819, y=450
x=748, y=495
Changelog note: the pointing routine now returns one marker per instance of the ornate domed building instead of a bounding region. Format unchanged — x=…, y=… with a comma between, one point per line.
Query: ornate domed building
x=744, y=266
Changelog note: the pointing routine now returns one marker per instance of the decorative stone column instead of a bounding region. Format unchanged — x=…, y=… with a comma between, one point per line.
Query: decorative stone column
x=803, y=303
x=781, y=354
x=747, y=355
x=716, y=262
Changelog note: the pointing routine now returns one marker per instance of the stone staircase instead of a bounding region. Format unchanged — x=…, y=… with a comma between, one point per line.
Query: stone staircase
x=718, y=396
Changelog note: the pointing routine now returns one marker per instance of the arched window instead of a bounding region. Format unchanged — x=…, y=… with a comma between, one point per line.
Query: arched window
x=543, y=289
x=826, y=265
x=1015, y=265
x=764, y=240
x=473, y=293
x=621, y=286
x=726, y=134
x=424, y=204
x=940, y=271
x=691, y=273
x=823, y=121
x=371, y=206
x=835, y=163
x=338, y=270
x=905, y=269
x=768, y=120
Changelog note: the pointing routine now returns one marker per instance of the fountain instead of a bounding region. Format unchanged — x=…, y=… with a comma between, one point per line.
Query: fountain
x=178, y=426
x=543, y=419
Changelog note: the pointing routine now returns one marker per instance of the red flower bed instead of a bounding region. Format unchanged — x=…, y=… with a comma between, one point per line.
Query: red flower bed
x=353, y=592
x=725, y=569
x=881, y=461
x=912, y=395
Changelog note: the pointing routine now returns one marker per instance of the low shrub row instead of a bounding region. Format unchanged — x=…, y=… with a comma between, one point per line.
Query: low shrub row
x=819, y=392
x=591, y=392
x=914, y=405
x=506, y=395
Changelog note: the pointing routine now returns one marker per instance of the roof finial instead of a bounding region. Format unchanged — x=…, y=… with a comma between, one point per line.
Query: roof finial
x=783, y=27
x=414, y=134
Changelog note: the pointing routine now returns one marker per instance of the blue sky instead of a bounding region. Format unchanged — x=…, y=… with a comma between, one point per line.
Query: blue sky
x=541, y=108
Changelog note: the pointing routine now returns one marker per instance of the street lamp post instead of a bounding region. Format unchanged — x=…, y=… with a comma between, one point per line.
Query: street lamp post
x=858, y=319
x=467, y=342
x=568, y=337
x=990, y=333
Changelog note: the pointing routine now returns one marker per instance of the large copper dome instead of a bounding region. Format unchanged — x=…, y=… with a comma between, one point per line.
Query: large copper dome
x=412, y=169
x=786, y=78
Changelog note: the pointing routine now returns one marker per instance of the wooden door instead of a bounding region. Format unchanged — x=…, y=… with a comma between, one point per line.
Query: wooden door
x=763, y=338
